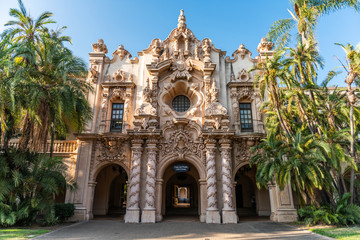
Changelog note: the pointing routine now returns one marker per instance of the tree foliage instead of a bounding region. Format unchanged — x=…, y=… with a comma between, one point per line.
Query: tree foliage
x=310, y=126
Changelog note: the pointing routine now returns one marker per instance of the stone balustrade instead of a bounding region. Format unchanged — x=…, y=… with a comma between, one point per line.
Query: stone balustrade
x=60, y=146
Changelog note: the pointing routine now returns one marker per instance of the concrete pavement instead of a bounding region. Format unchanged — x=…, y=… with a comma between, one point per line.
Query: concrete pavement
x=110, y=229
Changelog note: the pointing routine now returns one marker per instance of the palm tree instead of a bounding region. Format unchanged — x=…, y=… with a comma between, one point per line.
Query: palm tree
x=305, y=17
x=56, y=90
x=271, y=74
x=25, y=28
x=353, y=75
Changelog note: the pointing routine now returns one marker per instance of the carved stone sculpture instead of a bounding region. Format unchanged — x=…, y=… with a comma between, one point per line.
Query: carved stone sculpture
x=100, y=46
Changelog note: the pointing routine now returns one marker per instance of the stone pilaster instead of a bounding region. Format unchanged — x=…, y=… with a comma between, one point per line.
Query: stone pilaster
x=212, y=212
x=148, y=214
x=228, y=211
x=282, y=204
x=133, y=211
x=91, y=189
x=159, y=187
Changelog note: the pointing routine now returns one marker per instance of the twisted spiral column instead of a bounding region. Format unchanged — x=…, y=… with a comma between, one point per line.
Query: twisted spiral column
x=228, y=211
x=212, y=213
x=148, y=214
x=133, y=210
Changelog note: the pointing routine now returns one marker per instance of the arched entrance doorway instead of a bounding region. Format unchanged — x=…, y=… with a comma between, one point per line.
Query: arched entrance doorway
x=250, y=201
x=110, y=192
x=181, y=192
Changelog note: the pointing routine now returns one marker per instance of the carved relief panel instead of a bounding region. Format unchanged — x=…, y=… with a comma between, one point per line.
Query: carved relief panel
x=181, y=140
x=109, y=150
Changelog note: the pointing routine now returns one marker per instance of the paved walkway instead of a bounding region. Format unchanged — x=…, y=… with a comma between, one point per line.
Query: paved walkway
x=109, y=229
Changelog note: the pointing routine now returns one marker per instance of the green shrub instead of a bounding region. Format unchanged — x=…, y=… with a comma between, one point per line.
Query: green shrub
x=28, y=182
x=64, y=211
x=343, y=214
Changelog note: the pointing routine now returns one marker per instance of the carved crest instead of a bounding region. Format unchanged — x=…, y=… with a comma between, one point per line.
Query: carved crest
x=110, y=149
x=122, y=76
x=243, y=76
x=181, y=68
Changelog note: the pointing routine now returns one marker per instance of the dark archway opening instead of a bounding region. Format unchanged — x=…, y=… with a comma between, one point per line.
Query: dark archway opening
x=110, y=192
x=181, y=192
x=250, y=201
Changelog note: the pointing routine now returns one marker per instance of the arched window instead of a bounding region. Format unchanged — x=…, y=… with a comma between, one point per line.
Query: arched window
x=181, y=103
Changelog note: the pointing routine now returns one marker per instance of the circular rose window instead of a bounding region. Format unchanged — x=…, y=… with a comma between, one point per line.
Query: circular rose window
x=181, y=103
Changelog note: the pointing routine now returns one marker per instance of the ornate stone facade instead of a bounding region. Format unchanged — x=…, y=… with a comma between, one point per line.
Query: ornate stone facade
x=140, y=135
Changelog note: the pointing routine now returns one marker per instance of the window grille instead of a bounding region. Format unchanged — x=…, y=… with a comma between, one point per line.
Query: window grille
x=117, y=115
x=246, y=117
x=181, y=103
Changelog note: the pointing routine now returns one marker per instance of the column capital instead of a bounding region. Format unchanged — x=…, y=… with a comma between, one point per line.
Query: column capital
x=137, y=143
x=210, y=143
x=151, y=142
x=92, y=183
x=225, y=143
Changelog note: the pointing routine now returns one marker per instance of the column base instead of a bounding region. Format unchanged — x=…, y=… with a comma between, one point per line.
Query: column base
x=79, y=215
x=132, y=216
x=229, y=216
x=159, y=218
x=213, y=216
x=148, y=216
x=284, y=215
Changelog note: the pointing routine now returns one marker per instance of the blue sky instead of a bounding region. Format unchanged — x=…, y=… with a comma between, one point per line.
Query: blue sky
x=134, y=23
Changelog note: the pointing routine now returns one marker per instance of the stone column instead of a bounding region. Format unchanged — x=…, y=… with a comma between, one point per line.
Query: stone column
x=91, y=187
x=148, y=214
x=133, y=211
x=228, y=211
x=159, y=186
x=212, y=212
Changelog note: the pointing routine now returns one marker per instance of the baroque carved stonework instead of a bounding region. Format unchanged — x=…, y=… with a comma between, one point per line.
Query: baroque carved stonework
x=180, y=140
x=111, y=150
x=100, y=46
x=122, y=76
x=181, y=143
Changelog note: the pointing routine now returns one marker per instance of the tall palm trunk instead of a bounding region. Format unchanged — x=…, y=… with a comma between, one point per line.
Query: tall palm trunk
x=52, y=137
x=352, y=153
x=26, y=133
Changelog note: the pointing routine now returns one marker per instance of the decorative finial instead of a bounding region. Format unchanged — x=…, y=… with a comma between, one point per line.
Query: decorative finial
x=182, y=20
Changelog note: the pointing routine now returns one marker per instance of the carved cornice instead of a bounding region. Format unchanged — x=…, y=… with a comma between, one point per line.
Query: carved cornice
x=118, y=84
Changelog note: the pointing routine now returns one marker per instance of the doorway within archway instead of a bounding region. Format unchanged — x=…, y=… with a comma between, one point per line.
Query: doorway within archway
x=110, y=192
x=181, y=192
x=250, y=201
